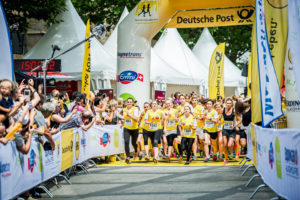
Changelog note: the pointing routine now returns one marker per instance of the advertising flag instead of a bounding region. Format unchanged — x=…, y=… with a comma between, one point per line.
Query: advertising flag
x=86, y=69
x=216, y=72
x=269, y=87
x=294, y=37
x=6, y=55
x=277, y=29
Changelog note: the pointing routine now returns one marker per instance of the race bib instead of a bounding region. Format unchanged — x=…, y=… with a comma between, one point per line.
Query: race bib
x=128, y=122
x=171, y=123
x=187, y=132
x=209, y=124
x=153, y=127
x=219, y=127
x=227, y=125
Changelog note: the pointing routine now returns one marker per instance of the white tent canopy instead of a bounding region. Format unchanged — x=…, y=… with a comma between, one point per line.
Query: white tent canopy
x=204, y=49
x=160, y=70
x=177, y=54
x=67, y=33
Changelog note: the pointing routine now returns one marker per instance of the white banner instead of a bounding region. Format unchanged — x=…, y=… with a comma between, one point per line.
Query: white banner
x=21, y=172
x=6, y=56
x=294, y=37
x=249, y=143
x=269, y=87
x=278, y=160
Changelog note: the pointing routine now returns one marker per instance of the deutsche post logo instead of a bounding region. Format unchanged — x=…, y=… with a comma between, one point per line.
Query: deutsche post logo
x=245, y=14
x=218, y=57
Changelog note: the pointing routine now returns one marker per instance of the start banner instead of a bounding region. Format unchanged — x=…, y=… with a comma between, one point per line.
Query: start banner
x=19, y=172
x=212, y=18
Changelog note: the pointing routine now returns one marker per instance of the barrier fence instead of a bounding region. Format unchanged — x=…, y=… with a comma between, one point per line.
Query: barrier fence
x=20, y=172
x=275, y=155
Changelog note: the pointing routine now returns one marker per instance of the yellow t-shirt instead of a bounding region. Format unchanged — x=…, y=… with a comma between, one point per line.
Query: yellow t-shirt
x=180, y=109
x=185, y=123
x=155, y=118
x=128, y=122
x=170, y=116
x=199, y=111
x=220, y=123
x=209, y=125
x=143, y=125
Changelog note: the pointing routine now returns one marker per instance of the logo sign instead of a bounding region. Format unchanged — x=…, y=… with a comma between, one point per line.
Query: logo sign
x=5, y=169
x=146, y=12
x=77, y=146
x=291, y=159
x=127, y=77
x=31, y=160
x=271, y=155
x=213, y=18
x=105, y=140
x=129, y=55
x=67, y=149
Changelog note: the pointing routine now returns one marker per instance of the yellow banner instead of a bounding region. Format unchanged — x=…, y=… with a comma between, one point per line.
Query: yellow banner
x=214, y=17
x=255, y=89
x=249, y=78
x=276, y=14
x=216, y=72
x=86, y=69
x=67, y=149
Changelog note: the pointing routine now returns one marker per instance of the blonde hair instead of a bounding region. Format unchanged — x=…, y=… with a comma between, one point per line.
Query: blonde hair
x=6, y=82
x=120, y=101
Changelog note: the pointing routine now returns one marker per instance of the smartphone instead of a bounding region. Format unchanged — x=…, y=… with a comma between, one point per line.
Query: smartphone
x=27, y=95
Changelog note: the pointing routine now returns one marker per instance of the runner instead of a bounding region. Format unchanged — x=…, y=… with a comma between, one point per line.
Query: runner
x=228, y=129
x=170, y=127
x=219, y=109
x=210, y=130
x=154, y=117
x=142, y=126
x=243, y=109
x=198, y=114
x=131, y=128
x=187, y=127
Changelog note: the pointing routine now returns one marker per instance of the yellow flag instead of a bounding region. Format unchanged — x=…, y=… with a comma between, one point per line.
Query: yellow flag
x=216, y=72
x=86, y=69
x=255, y=89
x=276, y=15
x=249, y=78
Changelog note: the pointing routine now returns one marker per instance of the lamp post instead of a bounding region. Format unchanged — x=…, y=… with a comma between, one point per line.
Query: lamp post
x=98, y=32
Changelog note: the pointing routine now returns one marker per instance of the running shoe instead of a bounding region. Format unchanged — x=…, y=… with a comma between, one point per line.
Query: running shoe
x=187, y=162
x=168, y=159
x=220, y=158
x=135, y=155
x=230, y=157
x=194, y=157
x=225, y=162
x=127, y=160
x=174, y=155
x=237, y=158
x=140, y=156
x=147, y=158
x=215, y=158
x=206, y=159
x=180, y=159
x=155, y=160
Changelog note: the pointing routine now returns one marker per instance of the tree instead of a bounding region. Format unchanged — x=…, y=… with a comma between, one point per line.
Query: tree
x=18, y=12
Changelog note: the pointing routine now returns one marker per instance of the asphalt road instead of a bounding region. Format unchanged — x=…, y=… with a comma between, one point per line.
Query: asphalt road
x=161, y=182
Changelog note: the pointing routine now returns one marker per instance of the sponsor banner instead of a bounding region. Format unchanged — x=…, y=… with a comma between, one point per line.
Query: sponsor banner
x=213, y=17
x=292, y=97
x=6, y=61
x=269, y=87
x=19, y=172
x=86, y=69
x=67, y=149
x=277, y=29
x=294, y=37
x=130, y=55
x=249, y=142
x=278, y=160
x=216, y=72
x=127, y=77
x=146, y=12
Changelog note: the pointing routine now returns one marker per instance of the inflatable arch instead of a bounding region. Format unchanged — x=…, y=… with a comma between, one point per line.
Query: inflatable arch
x=142, y=24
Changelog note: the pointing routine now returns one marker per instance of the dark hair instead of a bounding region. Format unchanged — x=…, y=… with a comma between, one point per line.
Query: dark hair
x=62, y=94
x=97, y=101
x=240, y=107
x=212, y=101
x=74, y=94
x=131, y=99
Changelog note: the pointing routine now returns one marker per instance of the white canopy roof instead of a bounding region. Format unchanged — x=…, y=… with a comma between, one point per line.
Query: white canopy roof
x=160, y=70
x=204, y=49
x=176, y=53
x=67, y=33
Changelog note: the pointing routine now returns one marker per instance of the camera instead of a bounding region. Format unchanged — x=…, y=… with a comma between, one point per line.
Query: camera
x=27, y=94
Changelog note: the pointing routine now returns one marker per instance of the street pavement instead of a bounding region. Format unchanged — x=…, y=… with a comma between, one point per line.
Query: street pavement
x=161, y=182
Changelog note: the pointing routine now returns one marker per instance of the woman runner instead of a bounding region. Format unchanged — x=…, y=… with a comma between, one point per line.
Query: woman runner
x=142, y=125
x=154, y=117
x=131, y=115
x=219, y=109
x=187, y=127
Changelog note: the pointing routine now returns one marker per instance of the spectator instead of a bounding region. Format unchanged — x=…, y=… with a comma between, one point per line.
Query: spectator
x=77, y=119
